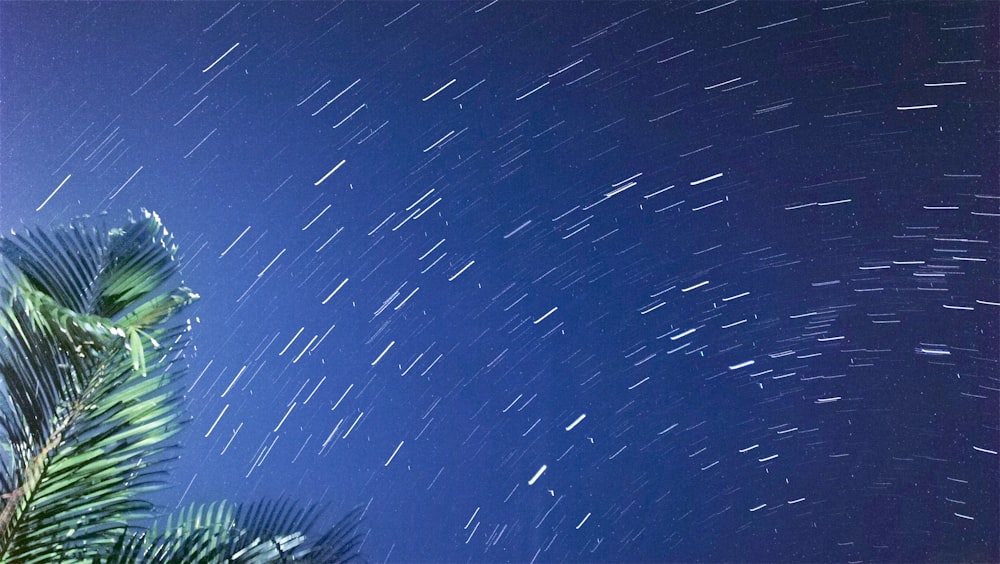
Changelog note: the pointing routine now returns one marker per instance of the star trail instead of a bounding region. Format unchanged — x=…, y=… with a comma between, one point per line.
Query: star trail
x=549, y=281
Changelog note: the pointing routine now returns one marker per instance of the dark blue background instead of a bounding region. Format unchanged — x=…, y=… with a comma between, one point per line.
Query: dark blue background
x=861, y=237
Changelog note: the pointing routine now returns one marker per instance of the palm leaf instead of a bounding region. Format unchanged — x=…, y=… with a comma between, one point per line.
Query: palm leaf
x=261, y=532
x=92, y=400
x=282, y=531
x=63, y=263
x=87, y=351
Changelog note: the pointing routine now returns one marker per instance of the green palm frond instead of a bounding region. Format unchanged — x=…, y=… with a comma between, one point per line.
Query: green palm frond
x=281, y=531
x=87, y=269
x=141, y=261
x=88, y=354
x=63, y=263
x=198, y=533
x=262, y=532
x=342, y=542
x=92, y=400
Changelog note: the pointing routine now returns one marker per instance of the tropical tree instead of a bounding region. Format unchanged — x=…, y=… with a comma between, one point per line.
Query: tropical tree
x=91, y=353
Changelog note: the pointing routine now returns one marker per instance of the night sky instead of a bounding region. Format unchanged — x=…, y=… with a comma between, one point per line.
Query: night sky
x=552, y=281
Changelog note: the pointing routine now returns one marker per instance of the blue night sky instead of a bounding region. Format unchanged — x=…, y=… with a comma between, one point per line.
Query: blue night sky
x=552, y=281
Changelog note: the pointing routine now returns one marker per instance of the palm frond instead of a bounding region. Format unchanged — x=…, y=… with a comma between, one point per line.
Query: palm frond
x=281, y=531
x=198, y=533
x=93, y=401
x=88, y=357
x=257, y=533
x=62, y=262
x=342, y=543
x=141, y=260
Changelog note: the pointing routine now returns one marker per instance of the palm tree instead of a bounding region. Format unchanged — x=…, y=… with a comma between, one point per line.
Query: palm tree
x=90, y=360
